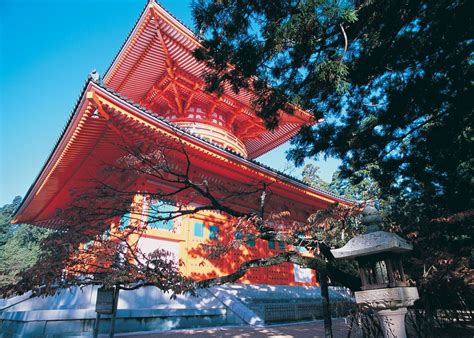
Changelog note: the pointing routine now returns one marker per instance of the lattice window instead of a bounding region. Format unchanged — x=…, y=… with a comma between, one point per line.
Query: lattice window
x=213, y=232
x=124, y=221
x=271, y=245
x=198, y=229
x=251, y=240
x=281, y=245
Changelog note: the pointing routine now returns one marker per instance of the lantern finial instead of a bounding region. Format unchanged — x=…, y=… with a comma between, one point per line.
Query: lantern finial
x=371, y=218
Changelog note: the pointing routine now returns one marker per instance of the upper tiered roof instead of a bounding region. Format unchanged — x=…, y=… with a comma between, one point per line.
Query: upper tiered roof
x=156, y=69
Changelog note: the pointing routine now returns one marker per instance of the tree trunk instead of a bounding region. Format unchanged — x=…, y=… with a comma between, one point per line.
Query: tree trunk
x=323, y=280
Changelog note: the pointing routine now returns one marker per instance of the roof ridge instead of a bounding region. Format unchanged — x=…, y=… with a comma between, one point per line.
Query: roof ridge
x=151, y=2
x=177, y=19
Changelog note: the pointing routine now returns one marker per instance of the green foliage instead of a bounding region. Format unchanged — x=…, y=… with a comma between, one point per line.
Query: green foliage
x=6, y=229
x=405, y=117
x=310, y=176
x=21, y=246
x=334, y=226
x=350, y=16
x=361, y=186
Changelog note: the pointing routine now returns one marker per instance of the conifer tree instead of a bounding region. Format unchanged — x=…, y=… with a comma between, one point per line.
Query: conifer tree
x=393, y=82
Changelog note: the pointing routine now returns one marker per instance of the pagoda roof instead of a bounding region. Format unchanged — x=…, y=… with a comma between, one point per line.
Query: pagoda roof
x=84, y=136
x=155, y=68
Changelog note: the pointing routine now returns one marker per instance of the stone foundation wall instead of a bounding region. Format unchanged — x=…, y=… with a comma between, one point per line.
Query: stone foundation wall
x=72, y=312
x=51, y=325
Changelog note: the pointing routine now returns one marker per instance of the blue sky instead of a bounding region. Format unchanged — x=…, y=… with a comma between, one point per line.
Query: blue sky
x=47, y=49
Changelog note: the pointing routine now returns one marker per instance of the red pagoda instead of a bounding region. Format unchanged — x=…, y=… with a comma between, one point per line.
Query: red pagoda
x=153, y=91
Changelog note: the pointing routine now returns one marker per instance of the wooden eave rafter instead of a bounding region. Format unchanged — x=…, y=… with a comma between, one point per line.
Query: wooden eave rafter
x=170, y=69
x=152, y=94
x=178, y=78
x=143, y=54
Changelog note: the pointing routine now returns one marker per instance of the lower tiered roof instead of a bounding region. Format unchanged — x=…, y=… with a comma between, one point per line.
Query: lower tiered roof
x=101, y=117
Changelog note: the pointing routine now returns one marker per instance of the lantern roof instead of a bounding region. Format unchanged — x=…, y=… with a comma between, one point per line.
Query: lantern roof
x=371, y=244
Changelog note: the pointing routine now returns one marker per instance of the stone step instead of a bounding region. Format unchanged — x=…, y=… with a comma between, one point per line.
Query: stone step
x=240, y=309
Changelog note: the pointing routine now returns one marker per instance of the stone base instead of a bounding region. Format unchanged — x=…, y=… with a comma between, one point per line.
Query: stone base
x=72, y=312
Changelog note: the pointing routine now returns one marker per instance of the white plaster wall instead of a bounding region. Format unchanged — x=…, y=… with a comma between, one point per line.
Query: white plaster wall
x=147, y=245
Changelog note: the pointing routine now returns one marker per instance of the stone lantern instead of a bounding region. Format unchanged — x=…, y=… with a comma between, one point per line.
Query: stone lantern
x=384, y=285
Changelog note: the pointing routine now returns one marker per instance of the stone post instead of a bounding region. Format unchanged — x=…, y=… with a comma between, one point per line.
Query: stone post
x=391, y=306
x=393, y=322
